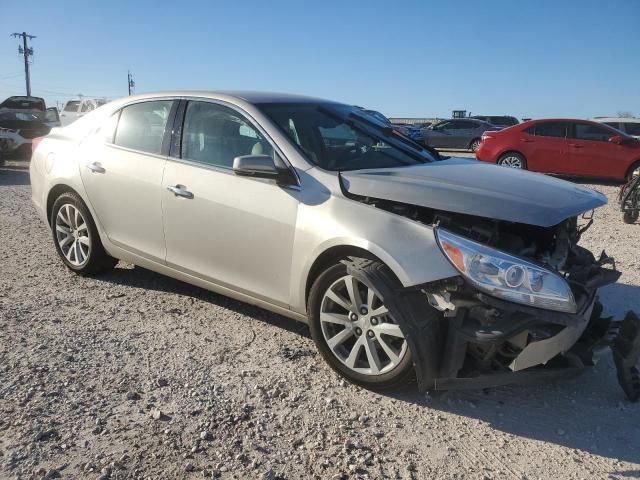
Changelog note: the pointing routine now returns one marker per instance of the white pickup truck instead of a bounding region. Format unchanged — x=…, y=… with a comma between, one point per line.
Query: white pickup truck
x=74, y=109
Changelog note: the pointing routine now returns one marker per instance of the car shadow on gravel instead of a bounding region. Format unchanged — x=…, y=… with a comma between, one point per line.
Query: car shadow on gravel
x=142, y=278
x=10, y=176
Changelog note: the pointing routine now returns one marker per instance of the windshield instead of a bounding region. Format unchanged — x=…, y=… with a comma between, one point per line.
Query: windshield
x=72, y=106
x=18, y=116
x=338, y=137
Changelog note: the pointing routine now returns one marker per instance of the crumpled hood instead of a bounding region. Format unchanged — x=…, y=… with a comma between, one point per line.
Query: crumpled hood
x=477, y=188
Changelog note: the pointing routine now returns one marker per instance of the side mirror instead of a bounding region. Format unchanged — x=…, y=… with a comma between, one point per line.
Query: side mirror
x=263, y=166
x=259, y=166
x=617, y=139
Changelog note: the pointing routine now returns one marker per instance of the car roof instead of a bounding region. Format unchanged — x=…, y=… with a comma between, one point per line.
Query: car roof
x=616, y=119
x=249, y=96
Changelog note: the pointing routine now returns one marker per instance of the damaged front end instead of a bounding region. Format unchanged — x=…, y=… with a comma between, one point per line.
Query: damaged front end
x=524, y=308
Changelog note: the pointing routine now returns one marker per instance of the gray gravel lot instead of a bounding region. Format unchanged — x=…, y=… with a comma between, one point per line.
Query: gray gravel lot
x=135, y=375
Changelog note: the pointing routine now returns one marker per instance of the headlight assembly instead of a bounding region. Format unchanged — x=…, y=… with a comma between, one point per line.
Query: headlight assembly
x=506, y=276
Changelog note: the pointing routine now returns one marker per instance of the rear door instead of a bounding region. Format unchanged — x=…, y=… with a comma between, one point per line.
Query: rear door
x=122, y=170
x=591, y=154
x=544, y=145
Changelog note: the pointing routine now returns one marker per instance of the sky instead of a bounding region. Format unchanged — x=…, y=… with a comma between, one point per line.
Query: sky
x=542, y=58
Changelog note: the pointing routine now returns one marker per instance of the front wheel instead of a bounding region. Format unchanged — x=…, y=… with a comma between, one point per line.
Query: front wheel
x=512, y=160
x=76, y=237
x=355, y=332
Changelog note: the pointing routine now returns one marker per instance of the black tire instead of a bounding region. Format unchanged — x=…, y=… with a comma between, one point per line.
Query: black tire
x=398, y=376
x=633, y=168
x=474, y=145
x=630, y=216
x=97, y=260
x=503, y=158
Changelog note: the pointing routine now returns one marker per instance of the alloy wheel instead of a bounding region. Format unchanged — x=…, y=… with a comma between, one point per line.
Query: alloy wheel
x=511, y=161
x=72, y=235
x=475, y=145
x=358, y=328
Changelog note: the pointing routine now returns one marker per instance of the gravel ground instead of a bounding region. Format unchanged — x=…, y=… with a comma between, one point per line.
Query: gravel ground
x=135, y=375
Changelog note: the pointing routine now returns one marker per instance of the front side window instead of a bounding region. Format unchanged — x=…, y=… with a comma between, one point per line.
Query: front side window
x=141, y=126
x=549, y=129
x=214, y=135
x=340, y=137
x=592, y=132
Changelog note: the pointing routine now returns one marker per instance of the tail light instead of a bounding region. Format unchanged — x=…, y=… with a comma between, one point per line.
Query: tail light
x=34, y=143
x=487, y=135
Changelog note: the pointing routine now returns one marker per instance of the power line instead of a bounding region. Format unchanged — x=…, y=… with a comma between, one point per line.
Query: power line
x=26, y=52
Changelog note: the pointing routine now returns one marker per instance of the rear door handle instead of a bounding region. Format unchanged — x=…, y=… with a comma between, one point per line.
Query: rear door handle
x=576, y=145
x=96, y=167
x=180, y=191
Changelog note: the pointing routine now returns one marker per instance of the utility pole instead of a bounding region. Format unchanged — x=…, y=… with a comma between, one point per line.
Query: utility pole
x=130, y=83
x=27, y=52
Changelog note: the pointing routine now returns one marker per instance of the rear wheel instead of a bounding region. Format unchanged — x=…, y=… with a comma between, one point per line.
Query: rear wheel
x=512, y=160
x=475, y=144
x=355, y=333
x=76, y=237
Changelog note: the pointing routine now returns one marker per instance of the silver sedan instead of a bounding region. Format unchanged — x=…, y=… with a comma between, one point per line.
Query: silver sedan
x=405, y=266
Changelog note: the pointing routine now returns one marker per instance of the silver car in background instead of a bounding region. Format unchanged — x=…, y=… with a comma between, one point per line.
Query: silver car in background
x=455, y=273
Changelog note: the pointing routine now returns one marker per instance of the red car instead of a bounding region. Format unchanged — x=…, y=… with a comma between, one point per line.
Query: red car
x=575, y=148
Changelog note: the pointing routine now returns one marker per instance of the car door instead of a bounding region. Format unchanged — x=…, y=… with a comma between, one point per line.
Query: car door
x=52, y=118
x=544, y=145
x=439, y=136
x=232, y=230
x=121, y=168
x=593, y=155
x=457, y=131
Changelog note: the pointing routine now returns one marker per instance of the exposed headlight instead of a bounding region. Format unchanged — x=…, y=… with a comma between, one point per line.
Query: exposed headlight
x=506, y=276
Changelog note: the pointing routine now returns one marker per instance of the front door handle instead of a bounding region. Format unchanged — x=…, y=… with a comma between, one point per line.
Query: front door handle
x=180, y=191
x=96, y=167
x=576, y=145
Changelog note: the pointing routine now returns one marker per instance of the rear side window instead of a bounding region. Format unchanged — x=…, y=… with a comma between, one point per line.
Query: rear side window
x=594, y=133
x=632, y=128
x=141, y=126
x=214, y=135
x=549, y=129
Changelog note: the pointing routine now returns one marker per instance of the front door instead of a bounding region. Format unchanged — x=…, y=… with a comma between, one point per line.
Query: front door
x=592, y=155
x=234, y=231
x=121, y=168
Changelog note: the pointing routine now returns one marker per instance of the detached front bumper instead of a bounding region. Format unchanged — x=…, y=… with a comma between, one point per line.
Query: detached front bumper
x=490, y=342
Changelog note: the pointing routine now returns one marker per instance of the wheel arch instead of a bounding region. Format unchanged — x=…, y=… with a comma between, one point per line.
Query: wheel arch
x=332, y=255
x=54, y=193
x=634, y=165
